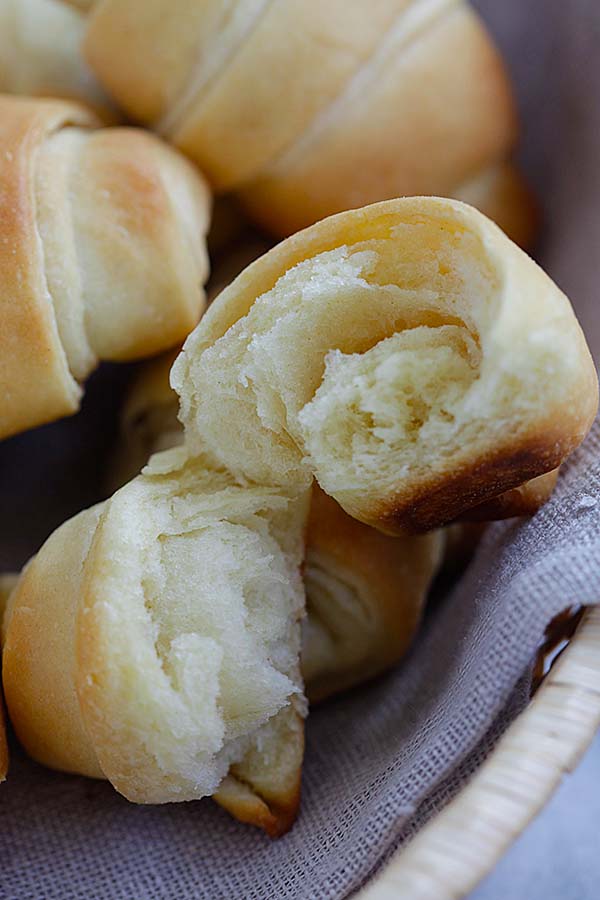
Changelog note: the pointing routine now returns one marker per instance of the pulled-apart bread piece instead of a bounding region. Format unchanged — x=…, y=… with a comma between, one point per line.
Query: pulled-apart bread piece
x=40, y=53
x=407, y=355
x=103, y=257
x=365, y=591
x=154, y=641
x=307, y=109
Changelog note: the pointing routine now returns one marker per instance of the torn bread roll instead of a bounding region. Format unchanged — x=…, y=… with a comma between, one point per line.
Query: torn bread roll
x=104, y=253
x=425, y=341
x=308, y=109
x=407, y=355
x=118, y=663
x=41, y=54
x=365, y=591
x=108, y=636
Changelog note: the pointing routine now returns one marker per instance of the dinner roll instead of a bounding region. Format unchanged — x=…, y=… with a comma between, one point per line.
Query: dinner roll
x=103, y=258
x=40, y=53
x=407, y=355
x=118, y=662
x=410, y=358
x=306, y=109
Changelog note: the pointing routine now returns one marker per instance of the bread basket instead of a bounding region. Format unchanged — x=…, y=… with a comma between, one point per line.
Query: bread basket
x=462, y=844
x=463, y=838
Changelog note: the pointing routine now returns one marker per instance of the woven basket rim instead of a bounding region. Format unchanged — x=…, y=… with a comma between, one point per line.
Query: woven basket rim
x=462, y=844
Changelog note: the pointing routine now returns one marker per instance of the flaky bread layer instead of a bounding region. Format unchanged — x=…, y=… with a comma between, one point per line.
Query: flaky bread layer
x=159, y=688
x=406, y=354
x=364, y=591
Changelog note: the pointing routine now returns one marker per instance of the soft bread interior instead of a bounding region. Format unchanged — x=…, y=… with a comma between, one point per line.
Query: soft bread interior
x=364, y=591
x=174, y=610
x=199, y=576
x=384, y=367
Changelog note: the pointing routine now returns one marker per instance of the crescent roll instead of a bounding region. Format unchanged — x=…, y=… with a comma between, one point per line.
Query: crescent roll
x=119, y=662
x=40, y=53
x=407, y=355
x=103, y=257
x=365, y=591
x=306, y=109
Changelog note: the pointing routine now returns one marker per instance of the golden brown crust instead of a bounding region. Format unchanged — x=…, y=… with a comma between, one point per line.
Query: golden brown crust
x=186, y=70
x=38, y=660
x=245, y=805
x=144, y=50
x=503, y=473
x=265, y=792
x=297, y=59
x=327, y=103
x=35, y=382
x=88, y=217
